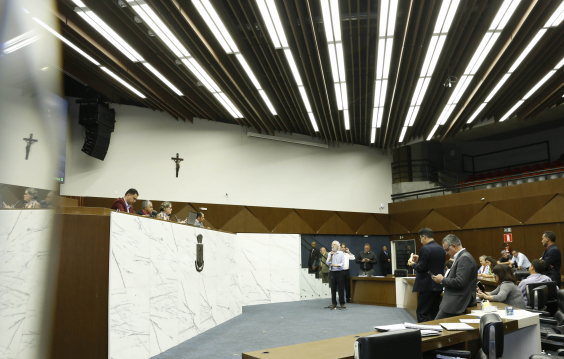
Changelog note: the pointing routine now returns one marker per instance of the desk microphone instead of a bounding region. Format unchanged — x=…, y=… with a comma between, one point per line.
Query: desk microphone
x=15, y=204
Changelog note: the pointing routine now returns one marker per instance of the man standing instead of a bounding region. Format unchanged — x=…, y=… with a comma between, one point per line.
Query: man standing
x=336, y=261
x=313, y=260
x=125, y=204
x=519, y=260
x=199, y=220
x=324, y=271
x=505, y=258
x=552, y=257
x=146, y=209
x=535, y=276
x=346, y=272
x=366, y=259
x=460, y=285
x=385, y=261
x=431, y=258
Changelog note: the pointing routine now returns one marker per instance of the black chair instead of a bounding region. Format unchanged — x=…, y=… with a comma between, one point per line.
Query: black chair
x=400, y=273
x=551, y=298
x=521, y=274
x=552, y=329
x=559, y=353
x=405, y=344
x=536, y=299
x=491, y=338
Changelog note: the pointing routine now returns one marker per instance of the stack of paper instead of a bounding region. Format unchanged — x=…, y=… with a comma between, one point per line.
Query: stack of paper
x=456, y=326
x=436, y=328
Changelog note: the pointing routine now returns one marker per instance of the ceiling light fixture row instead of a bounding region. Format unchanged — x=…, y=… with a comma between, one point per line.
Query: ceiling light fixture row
x=386, y=27
x=20, y=41
x=74, y=47
x=332, y=23
x=154, y=22
x=555, y=19
x=442, y=26
x=211, y=18
x=498, y=24
x=273, y=24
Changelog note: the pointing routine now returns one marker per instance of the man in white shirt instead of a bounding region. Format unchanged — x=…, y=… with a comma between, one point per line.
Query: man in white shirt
x=519, y=260
x=346, y=272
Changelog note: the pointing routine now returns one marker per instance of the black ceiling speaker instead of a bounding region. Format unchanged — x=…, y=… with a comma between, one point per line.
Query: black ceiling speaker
x=98, y=121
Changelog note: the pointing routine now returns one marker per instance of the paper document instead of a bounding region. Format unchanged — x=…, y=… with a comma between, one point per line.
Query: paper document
x=436, y=328
x=476, y=321
x=429, y=333
x=456, y=326
x=389, y=328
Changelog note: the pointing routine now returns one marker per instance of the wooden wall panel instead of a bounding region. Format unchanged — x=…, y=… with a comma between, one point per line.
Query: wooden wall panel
x=460, y=215
x=491, y=216
x=219, y=214
x=293, y=223
x=354, y=220
x=244, y=222
x=437, y=222
x=335, y=225
x=270, y=216
x=372, y=225
x=523, y=208
x=314, y=218
x=552, y=212
x=409, y=220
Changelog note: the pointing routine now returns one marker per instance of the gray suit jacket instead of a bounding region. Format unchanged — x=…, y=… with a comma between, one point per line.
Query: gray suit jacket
x=460, y=285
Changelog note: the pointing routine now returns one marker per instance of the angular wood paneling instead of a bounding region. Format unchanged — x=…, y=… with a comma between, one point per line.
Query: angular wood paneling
x=396, y=228
x=552, y=212
x=315, y=218
x=245, y=222
x=436, y=222
x=384, y=220
x=335, y=225
x=293, y=223
x=408, y=220
x=354, y=219
x=460, y=215
x=218, y=214
x=491, y=216
x=372, y=226
x=523, y=208
x=270, y=217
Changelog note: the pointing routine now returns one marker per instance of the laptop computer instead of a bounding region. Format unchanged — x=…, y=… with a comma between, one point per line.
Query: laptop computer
x=192, y=218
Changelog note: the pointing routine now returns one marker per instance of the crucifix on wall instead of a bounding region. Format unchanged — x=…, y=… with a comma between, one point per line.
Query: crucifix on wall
x=177, y=160
x=30, y=141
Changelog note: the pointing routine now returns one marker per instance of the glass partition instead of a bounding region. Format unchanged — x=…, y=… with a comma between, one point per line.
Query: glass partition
x=401, y=251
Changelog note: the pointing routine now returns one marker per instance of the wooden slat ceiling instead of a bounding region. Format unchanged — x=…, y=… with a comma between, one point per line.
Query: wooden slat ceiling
x=302, y=21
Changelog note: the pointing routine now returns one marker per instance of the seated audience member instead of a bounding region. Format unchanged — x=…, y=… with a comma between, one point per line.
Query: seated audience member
x=146, y=209
x=448, y=266
x=505, y=258
x=125, y=204
x=520, y=261
x=535, y=276
x=30, y=199
x=166, y=210
x=507, y=291
x=484, y=269
x=50, y=200
x=491, y=263
x=199, y=220
x=324, y=272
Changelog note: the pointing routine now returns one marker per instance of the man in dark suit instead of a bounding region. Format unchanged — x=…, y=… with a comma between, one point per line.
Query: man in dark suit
x=125, y=204
x=431, y=258
x=552, y=257
x=385, y=261
x=146, y=209
x=460, y=284
x=313, y=260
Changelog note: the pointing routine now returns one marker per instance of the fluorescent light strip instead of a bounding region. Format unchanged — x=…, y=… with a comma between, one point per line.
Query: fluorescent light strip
x=490, y=37
x=121, y=81
x=20, y=42
x=555, y=20
x=267, y=102
x=214, y=16
x=162, y=78
x=386, y=27
x=60, y=37
x=332, y=24
x=442, y=27
x=212, y=25
x=273, y=23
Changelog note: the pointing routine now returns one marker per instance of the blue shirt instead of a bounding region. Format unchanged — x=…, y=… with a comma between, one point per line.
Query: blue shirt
x=127, y=205
x=338, y=259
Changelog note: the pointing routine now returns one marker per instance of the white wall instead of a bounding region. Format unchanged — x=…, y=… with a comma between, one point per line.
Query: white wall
x=220, y=159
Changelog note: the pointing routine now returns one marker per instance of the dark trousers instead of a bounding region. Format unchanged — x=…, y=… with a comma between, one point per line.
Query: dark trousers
x=428, y=305
x=337, y=284
x=347, y=282
x=386, y=269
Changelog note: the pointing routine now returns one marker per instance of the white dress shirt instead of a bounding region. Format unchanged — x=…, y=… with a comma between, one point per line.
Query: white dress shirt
x=521, y=261
x=347, y=258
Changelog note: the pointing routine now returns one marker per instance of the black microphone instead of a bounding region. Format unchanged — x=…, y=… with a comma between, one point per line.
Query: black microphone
x=43, y=204
x=14, y=205
x=154, y=214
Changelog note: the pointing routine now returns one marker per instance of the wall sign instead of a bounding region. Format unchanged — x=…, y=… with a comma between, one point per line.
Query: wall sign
x=508, y=238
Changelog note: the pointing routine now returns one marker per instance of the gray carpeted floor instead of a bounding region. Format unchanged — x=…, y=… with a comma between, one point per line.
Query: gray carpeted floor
x=274, y=325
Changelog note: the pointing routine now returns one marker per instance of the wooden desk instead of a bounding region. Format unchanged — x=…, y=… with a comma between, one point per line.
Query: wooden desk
x=343, y=347
x=373, y=291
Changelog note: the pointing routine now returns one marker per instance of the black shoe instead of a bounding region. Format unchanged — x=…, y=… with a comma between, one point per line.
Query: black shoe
x=349, y=301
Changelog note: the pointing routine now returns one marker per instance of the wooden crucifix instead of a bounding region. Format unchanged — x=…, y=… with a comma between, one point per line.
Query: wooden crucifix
x=30, y=141
x=177, y=160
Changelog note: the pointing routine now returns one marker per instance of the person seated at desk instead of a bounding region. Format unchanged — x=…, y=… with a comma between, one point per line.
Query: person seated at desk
x=30, y=198
x=50, y=200
x=448, y=266
x=491, y=264
x=146, y=209
x=125, y=204
x=535, y=276
x=199, y=220
x=165, y=211
x=507, y=291
x=505, y=258
x=483, y=267
x=519, y=260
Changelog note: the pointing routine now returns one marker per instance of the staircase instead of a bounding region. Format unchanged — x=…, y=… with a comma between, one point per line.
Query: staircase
x=311, y=287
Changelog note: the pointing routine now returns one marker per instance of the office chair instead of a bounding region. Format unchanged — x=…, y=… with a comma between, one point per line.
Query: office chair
x=560, y=353
x=551, y=298
x=491, y=338
x=521, y=274
x=552, y=329
x=405, y=344
x=536, y=299
x=400, y=273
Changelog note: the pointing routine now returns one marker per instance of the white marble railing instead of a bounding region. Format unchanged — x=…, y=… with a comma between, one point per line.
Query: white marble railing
x=25, y=239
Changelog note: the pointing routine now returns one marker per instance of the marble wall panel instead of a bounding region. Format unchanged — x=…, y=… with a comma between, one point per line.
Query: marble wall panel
x=284, y=285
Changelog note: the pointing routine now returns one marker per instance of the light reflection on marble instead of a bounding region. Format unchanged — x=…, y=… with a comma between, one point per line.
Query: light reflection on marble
x=24, y=253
